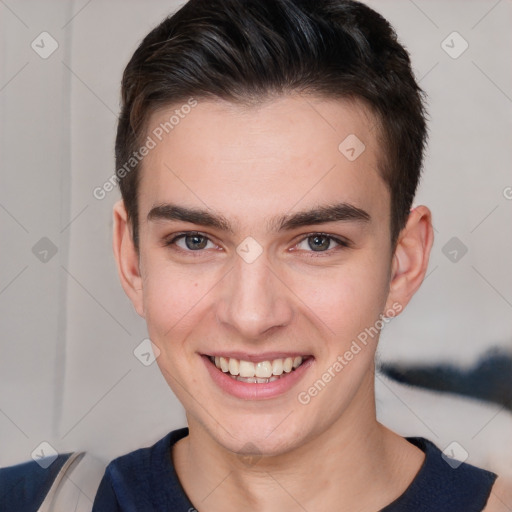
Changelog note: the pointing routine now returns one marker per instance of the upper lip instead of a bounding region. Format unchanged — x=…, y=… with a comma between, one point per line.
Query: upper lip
x=267, y=356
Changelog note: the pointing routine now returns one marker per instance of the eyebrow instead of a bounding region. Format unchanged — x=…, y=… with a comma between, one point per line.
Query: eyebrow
x=340, y=212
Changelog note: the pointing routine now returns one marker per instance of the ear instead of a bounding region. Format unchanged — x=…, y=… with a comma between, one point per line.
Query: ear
x=411, y=257
x=127, y=259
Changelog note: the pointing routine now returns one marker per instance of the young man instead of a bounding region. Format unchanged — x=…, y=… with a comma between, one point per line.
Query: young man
x=268, y=152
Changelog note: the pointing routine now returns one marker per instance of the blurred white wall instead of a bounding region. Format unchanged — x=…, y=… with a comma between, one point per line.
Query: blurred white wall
x=67, y=369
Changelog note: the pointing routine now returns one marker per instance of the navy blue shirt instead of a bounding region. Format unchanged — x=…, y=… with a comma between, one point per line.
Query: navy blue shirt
x=145, y=480
x=24, y=487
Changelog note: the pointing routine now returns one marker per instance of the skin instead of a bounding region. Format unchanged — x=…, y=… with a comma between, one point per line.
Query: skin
x=251, y=164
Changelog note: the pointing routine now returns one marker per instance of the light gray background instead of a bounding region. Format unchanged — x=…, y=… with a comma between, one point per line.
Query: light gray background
x=68, y=372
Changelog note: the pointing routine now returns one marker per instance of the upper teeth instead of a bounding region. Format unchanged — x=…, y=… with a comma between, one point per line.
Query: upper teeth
x=262, y=369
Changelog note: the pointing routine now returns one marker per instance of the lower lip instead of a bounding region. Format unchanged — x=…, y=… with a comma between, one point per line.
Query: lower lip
x=255, y=391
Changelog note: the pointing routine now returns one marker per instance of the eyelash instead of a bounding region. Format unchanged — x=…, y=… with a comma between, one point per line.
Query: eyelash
x=342, y=244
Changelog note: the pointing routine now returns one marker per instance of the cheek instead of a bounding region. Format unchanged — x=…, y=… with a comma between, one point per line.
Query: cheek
x=172, y=300
x=343, y=299
x=347, y=298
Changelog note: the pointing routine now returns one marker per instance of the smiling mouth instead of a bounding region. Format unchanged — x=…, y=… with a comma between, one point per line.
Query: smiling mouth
x=260, y=372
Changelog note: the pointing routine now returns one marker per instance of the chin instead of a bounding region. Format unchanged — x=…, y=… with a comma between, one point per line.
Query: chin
x=269, y=437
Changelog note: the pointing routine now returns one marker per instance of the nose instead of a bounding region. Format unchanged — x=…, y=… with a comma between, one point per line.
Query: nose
x=254, y=299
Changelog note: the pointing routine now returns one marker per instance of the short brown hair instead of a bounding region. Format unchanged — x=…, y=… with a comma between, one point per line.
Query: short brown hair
x=248, y=50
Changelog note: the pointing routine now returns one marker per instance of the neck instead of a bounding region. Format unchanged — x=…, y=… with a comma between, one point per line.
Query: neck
x=329, y=472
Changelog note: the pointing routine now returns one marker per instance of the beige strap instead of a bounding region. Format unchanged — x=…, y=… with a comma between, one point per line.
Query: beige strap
x=47, y=502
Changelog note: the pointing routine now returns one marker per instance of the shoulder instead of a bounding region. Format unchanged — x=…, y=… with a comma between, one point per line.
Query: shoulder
x=132, y=478
x=140, y=462
x=124, y=479
x=444, y=483
x=144, y=479
x=500, y=499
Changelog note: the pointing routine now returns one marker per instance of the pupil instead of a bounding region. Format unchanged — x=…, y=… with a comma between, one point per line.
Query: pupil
x=195, y=242
x=319, y=242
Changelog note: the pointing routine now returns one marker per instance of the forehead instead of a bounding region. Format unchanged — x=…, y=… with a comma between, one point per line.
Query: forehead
x=248, y=161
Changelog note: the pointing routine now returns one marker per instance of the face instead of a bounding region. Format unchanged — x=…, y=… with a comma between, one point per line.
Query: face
x=261, y=240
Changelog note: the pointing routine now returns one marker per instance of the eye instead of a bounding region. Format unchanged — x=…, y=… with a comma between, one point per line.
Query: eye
x=190, y=241
x=194, y=241
x=321, y=242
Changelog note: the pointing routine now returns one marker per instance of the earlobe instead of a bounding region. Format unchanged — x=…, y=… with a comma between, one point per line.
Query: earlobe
x=411, y=257
x=127, y=258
